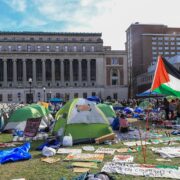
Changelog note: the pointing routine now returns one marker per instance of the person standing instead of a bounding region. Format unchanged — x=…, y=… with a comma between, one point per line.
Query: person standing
x=124, y=125
x=166, y=108
x=178, y=111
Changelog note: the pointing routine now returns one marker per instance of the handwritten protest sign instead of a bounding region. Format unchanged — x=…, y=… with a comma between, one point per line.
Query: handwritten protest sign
x=123, y=158
x=105, y=150
x=32, y=126
x=85, y=157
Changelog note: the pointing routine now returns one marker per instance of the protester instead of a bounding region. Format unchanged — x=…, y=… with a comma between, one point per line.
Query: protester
x=178, y=110
x=115, y=123
x=172, y=108
x=166, y=108
x=124, y=125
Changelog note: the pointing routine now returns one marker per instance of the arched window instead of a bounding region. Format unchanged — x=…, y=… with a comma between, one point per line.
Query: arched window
x=114, y=77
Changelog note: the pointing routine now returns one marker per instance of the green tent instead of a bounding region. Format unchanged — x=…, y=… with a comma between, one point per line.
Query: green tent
x=82, y=119
x=42, y=110
x=145, y=105
x=107, y=110
x=20, y=116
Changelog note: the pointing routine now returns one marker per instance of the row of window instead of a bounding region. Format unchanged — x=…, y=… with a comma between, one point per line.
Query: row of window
x=47, y=48
x=66, y=96
x=165, y=43
x=166, y=47
x=166, y=52
x=166, y=38
x=58, y=39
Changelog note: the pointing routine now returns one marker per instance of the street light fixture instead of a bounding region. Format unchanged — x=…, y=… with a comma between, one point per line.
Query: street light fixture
x=44, y=89
x=30, y=95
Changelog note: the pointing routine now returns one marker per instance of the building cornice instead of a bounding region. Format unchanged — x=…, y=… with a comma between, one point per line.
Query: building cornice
x=49, y=33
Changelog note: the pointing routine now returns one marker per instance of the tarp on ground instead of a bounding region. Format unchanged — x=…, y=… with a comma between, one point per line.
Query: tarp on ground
x=15, y=154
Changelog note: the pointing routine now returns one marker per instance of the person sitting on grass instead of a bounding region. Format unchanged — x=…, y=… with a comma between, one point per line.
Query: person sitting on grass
x=124, y=125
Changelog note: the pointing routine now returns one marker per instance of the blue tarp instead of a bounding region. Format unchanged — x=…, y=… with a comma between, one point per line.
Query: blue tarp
x=94, y=98
x=15, y=154
x=56, y=100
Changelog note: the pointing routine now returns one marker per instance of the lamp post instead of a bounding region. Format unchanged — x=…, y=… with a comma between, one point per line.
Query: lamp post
x=50, y=95
x=30, y=95
x=44, y=90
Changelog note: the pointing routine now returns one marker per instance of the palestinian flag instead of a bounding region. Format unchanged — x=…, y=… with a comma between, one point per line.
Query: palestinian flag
x=166, y=78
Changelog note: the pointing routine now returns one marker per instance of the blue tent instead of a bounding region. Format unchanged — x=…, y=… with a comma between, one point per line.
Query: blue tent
x=56, y=100
x=94, y=98
x=148, y=93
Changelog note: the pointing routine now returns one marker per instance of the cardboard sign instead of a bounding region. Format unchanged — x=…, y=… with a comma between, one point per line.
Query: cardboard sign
x=105, y=150
x=68, y=151
x=123, y=158
x=85, y=157
x=32, y=126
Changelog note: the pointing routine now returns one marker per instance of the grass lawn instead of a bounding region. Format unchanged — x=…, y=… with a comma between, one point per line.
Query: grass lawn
x=34, y=169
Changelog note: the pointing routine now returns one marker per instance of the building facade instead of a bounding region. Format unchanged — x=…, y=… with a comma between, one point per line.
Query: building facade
x=144, y=81
x=35, y=66
x=144, y=43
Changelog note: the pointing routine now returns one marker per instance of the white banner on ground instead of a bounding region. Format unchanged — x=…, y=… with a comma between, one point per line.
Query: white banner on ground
x=141, y=170
x=168, y=152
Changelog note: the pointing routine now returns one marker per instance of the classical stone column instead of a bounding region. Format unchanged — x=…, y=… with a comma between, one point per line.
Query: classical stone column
x=24, y=72
x=34, y=72
x=71, y=72
x=5, y=72
x=53, y=71
x=62, y=72
x=43, y=72
x=88, y=71
x=80, y=72
x=15, y=72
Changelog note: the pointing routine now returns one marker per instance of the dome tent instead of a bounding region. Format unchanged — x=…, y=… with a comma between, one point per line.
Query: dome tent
x=107, y=110
x=83, y=120
x=20, y=116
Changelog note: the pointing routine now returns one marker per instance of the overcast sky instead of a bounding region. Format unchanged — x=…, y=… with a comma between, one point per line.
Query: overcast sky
x=111, y=17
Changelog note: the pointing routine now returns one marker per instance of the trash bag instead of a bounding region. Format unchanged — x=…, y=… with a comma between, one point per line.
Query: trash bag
x=67, y=141
x=53, y=143
x=48, y=151
x=15, y=154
